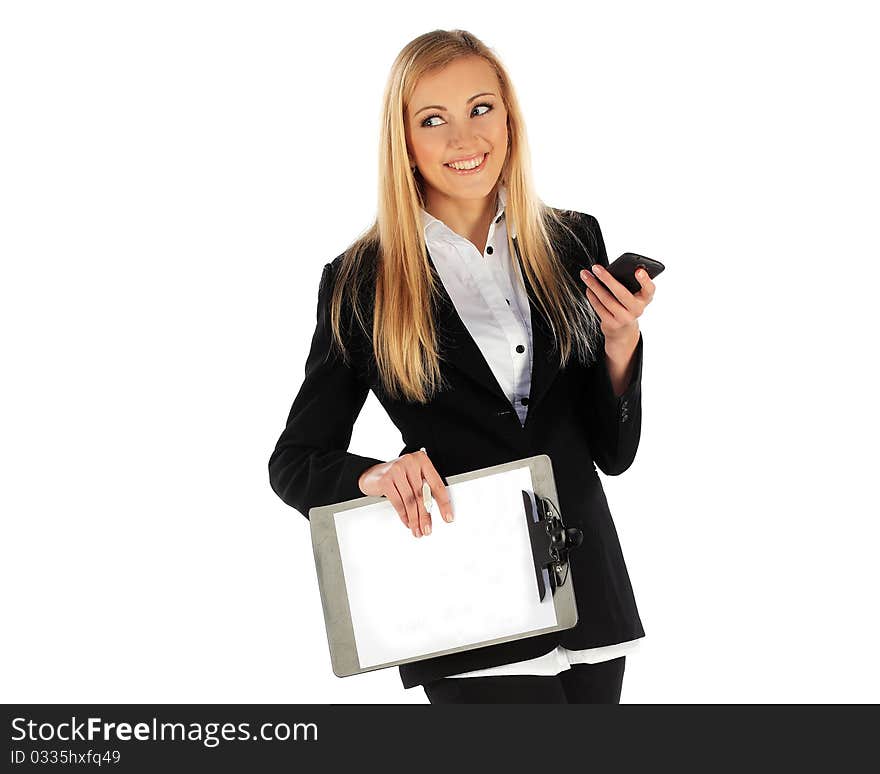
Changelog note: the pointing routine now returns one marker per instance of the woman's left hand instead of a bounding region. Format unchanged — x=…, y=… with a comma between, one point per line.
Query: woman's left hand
x=619, y=310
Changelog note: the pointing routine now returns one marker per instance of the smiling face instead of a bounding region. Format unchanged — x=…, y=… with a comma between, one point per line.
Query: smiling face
x=457, y=114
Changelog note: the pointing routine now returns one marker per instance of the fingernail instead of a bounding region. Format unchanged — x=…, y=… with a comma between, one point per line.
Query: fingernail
x=449, y=516
x=427, y=529
x=597, y=267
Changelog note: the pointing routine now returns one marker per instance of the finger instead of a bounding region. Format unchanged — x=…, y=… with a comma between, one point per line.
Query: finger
x=604, y=314
x=424, y=513
x=615, y=292
x=647, y=286
x=397, y=502
x=596, y=291
x=438, y=489
x=414, y=476
x=409, y=502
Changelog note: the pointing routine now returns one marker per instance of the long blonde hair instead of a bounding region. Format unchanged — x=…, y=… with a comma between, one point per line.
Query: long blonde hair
x=404, y=336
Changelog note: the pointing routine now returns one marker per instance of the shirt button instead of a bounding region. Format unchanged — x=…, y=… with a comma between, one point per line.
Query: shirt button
x=489, y=250
x=524, y=401
x=520, y=348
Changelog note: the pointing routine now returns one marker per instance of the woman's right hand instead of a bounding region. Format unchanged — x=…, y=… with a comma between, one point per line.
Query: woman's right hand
x=401, y=481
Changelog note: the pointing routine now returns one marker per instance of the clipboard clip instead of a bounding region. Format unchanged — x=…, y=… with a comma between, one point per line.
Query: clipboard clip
x=551, y=541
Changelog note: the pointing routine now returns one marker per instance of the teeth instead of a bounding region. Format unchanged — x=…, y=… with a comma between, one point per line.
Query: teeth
x=467, y=164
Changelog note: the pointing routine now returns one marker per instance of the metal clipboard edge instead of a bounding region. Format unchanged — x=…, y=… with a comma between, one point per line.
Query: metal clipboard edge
x=331, y=576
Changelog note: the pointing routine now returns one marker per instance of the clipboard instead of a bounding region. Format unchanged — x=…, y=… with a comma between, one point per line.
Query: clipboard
x=549, y=597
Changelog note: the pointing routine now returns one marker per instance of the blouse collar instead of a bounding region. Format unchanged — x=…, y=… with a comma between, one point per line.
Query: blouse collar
x=429, y=220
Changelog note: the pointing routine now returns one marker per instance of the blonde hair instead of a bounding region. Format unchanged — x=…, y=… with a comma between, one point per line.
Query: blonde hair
x=404, y=336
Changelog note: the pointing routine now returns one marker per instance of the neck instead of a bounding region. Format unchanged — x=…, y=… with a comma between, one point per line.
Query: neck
x=469, y=218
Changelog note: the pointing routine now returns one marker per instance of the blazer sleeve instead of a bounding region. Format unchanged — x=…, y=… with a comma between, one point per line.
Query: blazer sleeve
x=614, y=422
x=311, y=464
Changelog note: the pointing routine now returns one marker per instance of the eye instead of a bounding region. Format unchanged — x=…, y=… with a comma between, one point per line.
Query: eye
x=487, y=105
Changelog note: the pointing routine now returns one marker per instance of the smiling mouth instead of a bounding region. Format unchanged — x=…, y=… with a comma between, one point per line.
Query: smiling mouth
x=466, y=167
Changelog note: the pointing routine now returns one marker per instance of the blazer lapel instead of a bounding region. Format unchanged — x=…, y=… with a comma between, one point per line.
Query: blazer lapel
x=460, y=350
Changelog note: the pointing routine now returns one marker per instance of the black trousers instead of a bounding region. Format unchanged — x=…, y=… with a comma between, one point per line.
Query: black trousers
x=581, y=684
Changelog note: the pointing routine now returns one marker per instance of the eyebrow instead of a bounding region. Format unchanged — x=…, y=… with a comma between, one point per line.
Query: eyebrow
x=440, y=107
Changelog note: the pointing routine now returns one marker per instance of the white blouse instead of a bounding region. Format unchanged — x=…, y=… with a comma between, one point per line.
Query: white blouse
x=490, y=297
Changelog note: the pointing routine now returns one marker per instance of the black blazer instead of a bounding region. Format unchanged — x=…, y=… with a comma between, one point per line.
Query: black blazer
x=574, y=417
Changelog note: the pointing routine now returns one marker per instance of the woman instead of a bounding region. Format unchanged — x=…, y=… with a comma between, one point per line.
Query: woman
x=468, y=310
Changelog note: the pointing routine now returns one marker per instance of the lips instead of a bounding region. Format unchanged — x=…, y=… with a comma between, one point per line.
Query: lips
x=465, y=158
x=474, y=169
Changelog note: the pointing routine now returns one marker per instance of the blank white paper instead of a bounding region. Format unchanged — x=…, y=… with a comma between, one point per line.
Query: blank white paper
x=467, y=582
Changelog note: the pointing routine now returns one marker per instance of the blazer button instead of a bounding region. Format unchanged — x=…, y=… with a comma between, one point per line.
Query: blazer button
x=520, y=348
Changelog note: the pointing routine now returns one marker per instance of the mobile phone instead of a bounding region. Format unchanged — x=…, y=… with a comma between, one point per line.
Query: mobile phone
x=624, y=269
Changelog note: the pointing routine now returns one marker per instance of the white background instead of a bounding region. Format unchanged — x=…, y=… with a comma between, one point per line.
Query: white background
x=174, y=177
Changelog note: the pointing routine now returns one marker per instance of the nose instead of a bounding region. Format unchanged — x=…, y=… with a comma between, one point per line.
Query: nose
x=462, y=138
